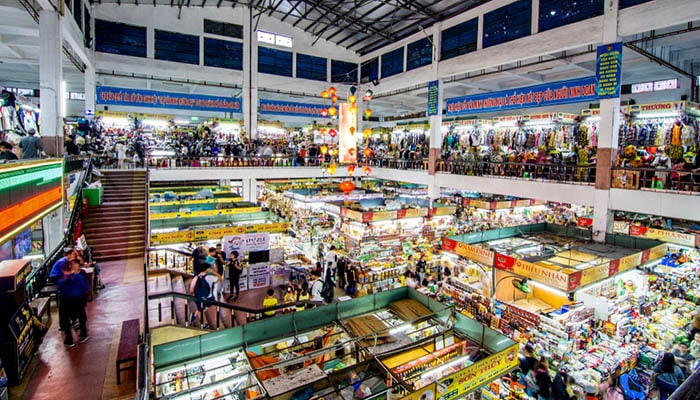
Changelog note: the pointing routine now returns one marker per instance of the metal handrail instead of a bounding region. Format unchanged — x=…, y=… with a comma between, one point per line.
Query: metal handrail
x=656, y=178
x=236, y=307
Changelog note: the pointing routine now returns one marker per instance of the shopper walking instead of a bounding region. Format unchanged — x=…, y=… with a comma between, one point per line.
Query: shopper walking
x=203, y=287
x=341, y=270
x=351, y=279
x=316, y=286
x=669, y=375
x=30, y=145
x=234, y=275
x=72, y=294
x=332, y=258
x=544, y=380
x=560, y=386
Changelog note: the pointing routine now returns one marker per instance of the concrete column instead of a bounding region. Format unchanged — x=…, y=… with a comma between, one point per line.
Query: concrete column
x=250, y=78
x=90, y=87
x=435, y=121
x=535, y=21
x=50, y=76
x=607, y=139
x=249, y=189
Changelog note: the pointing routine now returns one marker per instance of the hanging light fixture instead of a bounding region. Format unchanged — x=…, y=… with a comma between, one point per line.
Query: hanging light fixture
x=367, y=170
x=332, y=132
x=323, y=149
x=351, y=170
x=332, y=111
x=332, y=168
x=346, y=187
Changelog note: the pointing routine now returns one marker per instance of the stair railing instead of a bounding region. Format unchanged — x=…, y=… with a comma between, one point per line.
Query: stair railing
x=249, y=313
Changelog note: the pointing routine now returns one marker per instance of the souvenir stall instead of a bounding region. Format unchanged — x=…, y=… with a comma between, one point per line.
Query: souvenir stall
x=274, y=132
x=18, y=114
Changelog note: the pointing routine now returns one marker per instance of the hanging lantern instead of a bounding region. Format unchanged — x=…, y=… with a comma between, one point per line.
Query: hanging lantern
x=331, y=90
x=325, y=94
x=352, y=98
x=324, y=149
x=332, y=168
x=367, y=170
x=367, y=133
x=367, y=151
x=346, y=187
x=332, y=110
x=368, y=112
x=334, y=98
x=353, y=108
x=324, y=113
x=334, y=151
x=352, y=130
x=351, y=169
x=332, y=132
x=353, y=89
x=368, y=95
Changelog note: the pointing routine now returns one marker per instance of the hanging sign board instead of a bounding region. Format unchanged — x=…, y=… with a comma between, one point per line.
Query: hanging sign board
x=197, y=235
x=151, y=98
x=290, y=108
x=475, y=253
x=608, y=70
x=433, y=92
x=347, y=134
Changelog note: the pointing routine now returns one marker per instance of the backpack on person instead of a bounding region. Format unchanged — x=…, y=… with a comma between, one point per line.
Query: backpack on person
x=202, y=288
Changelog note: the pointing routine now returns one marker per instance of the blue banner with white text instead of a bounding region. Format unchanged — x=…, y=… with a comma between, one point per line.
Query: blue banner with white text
x=608, y=70
x=152, y=98
x=564, y=92
x=290, y=108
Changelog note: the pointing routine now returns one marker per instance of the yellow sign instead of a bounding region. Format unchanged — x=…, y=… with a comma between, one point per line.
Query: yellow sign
x=204, y=213
x=449, y=210
x=478, y=254
x=415, y=212
x=426, y=393
x=484, y=371
x=658, y=251
x=205, y=201
x=352, y=214
x=383, y=215
x=195, y=235
x=594, y=274
x=684, y=239
x=629, y=262
x=667, y=106
x=542, y=274
x=123, y=114
x=480, y=204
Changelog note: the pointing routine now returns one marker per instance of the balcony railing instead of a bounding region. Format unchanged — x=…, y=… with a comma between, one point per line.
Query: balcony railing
x=673, y=180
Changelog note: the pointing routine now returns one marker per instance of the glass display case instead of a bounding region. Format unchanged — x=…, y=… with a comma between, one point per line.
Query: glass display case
x=224, y=376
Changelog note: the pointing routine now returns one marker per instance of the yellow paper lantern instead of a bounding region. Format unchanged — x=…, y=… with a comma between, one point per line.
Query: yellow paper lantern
x=367, y=133
x=332, y=168
x=324, y=149
x=352, y=130
x=352, y=98
x=367, y=170
x=325, y=94
x=353, y=108
x=368, y=112
x=324, y=131
x=334, y=151
x=332, y=111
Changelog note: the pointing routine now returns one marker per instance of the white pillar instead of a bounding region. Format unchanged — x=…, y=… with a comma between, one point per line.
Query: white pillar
x=250, y=78
x=249, y=189
x=607, y=139
x=90, y=87
x=50, y=75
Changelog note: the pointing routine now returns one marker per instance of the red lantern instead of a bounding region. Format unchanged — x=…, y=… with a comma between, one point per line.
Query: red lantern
x=346, y=187
x=324, y=113
x=332, y=132
x=368, y=152
x=367, y=170
x=334, y=98
x=331, y=90
x=351, y=169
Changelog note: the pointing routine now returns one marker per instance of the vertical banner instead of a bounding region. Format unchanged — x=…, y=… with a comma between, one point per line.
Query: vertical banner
x=347, y=135
x=433, y=91
x=608, y=70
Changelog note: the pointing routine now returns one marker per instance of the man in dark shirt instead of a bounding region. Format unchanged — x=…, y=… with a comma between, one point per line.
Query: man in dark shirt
x=57, y=268
x=6, y=151
x=30, y=145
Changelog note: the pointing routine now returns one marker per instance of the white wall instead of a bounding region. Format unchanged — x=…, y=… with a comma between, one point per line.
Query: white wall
x=681, y=206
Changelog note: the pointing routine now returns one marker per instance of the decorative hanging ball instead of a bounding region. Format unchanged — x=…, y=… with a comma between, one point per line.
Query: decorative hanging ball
x=367, y=151
x=368, y=95
x=367, y=133
x=351, y=169
x=368, y=112
x=331, y=90
x=324, y=149
x=352, y=98
x=334, y=98
x=346, y=186
x=332, y=132
x=332, y=111
x=352, y=130
x=353, y=108
x=324, y=113
x=334, y=151
x=367, y=170
x=332, y=168
x=325, y=94
x=324, y=131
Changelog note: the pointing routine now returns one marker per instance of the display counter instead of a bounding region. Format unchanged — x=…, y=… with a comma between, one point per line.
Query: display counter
x=223, y=376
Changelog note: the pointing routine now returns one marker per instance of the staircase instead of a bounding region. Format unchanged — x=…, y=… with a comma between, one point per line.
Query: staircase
x=116, y=229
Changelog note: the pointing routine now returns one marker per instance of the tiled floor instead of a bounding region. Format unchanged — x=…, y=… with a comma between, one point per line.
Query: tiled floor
x=87, y=371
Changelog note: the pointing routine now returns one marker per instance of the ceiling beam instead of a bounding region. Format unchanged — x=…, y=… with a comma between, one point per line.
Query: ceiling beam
x=343, y=16
x=274, y=8
x=19, y=31
x=308, y=11
x=294, y=7
x=219, y=3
